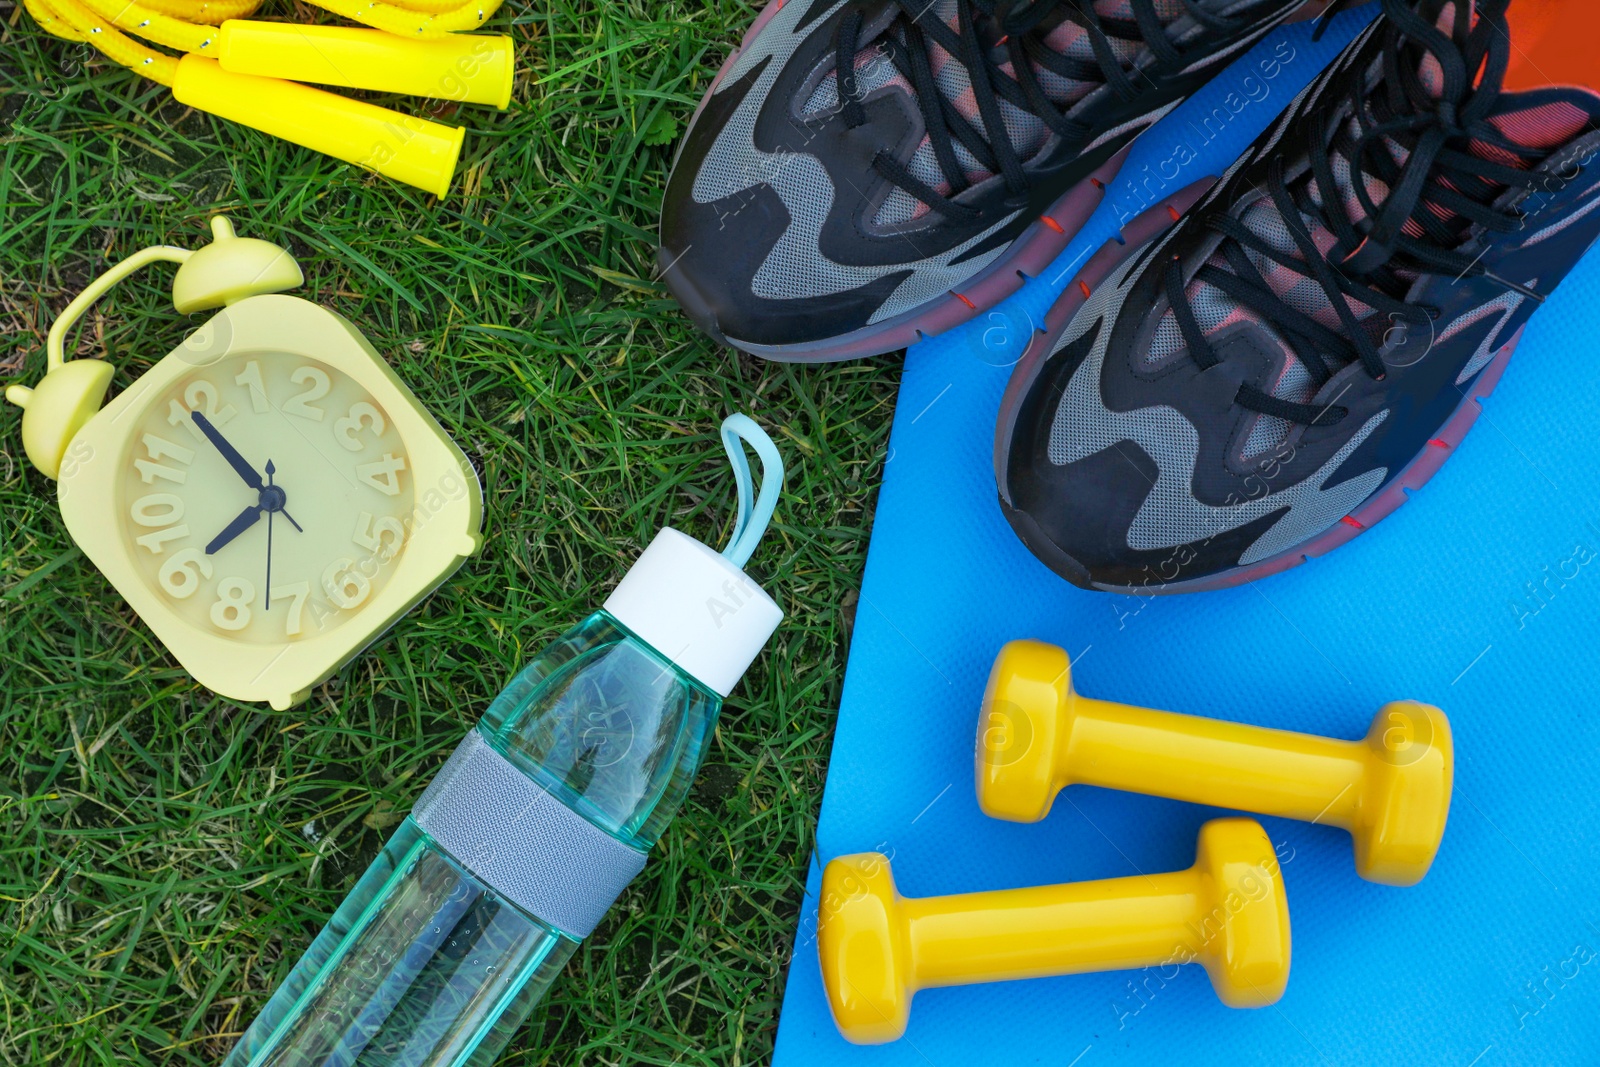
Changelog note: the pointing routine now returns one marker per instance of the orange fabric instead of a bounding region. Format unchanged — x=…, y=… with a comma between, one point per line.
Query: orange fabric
x=1554, y=42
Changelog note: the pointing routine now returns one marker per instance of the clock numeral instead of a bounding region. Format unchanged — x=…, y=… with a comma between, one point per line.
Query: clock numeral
x=232, y=609
x=157, y=540
x=346, y=586
x=200, y=395
x=161, y=512
x=161, y=448
x=149, y=472
x=182, y=574
x=345, y=429
x=157, y=509
x=250, y=377
x=300, y=403
x=297, y=594
x=382, y=537
x=384, y=475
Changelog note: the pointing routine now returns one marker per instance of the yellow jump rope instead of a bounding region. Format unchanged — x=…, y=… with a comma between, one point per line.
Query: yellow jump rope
x=250, y=72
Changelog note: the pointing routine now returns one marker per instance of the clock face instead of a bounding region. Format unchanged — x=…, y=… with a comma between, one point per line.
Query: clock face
x=265, y=497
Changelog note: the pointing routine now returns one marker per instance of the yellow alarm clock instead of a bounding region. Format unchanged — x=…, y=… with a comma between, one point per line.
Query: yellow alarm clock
x=269, y=497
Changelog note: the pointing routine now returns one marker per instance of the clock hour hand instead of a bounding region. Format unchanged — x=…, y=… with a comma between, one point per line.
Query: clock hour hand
x=229, y=453
x=242, y=522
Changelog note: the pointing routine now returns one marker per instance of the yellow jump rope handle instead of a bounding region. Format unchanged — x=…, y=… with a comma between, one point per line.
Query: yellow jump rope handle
x=1390, y=789
x=1228, y=913
x=402, y=147
x=417, y=55
x=471, y=69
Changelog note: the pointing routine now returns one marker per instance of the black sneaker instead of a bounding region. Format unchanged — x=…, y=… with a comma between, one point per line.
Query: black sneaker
x=970, y=140
x=1266, y=380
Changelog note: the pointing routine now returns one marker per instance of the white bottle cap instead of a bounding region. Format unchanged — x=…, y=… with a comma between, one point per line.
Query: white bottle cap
x=695, y=608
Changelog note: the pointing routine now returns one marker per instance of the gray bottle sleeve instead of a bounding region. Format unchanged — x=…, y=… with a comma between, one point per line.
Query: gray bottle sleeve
x=522, y=842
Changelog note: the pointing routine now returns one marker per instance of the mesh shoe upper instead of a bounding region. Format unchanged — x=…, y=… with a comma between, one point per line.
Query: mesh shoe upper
x=1317, y=319
x=805, y=205
x=1527, y=124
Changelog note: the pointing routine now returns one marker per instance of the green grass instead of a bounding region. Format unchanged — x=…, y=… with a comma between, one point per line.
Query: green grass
x=156, y=877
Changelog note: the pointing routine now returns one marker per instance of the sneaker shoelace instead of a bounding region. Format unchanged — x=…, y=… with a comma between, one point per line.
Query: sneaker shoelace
x=1010, y=71
x=1421, y=136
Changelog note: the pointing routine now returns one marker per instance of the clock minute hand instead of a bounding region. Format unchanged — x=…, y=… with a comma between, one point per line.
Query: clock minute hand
x=242, y=522
x=229, y=453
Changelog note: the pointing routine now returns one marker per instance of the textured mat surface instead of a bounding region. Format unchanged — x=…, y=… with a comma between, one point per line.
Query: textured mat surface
x=1481, y=595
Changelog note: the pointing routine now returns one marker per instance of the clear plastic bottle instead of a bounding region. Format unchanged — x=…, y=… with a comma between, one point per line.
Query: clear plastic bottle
x=440, y=951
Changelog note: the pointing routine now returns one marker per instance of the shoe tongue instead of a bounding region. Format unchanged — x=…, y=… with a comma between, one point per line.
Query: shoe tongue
x=1555, y=44
x=1540, y=120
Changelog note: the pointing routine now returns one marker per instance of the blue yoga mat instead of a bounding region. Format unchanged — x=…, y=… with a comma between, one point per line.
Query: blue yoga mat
x=1480, y=595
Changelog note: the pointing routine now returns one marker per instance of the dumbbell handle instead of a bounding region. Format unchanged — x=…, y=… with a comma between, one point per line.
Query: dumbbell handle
x=1206, y=761
x=1112, y=924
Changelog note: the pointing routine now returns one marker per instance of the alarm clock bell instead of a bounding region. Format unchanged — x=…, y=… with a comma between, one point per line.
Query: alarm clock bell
x=224, y=272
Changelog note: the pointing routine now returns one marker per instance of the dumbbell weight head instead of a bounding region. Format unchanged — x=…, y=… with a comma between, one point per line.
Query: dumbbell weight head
x=1405, y=793
x=1244, y=924
x=1026, y=717
x=861, y=941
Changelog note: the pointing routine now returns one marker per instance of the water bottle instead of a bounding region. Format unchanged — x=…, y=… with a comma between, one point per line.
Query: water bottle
x=537, y=822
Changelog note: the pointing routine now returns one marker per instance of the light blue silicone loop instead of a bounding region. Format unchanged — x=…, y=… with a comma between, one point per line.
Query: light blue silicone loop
x=755, y=512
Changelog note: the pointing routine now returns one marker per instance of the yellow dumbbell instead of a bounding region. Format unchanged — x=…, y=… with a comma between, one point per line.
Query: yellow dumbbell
x=1391, y=789
x=1227, y=913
